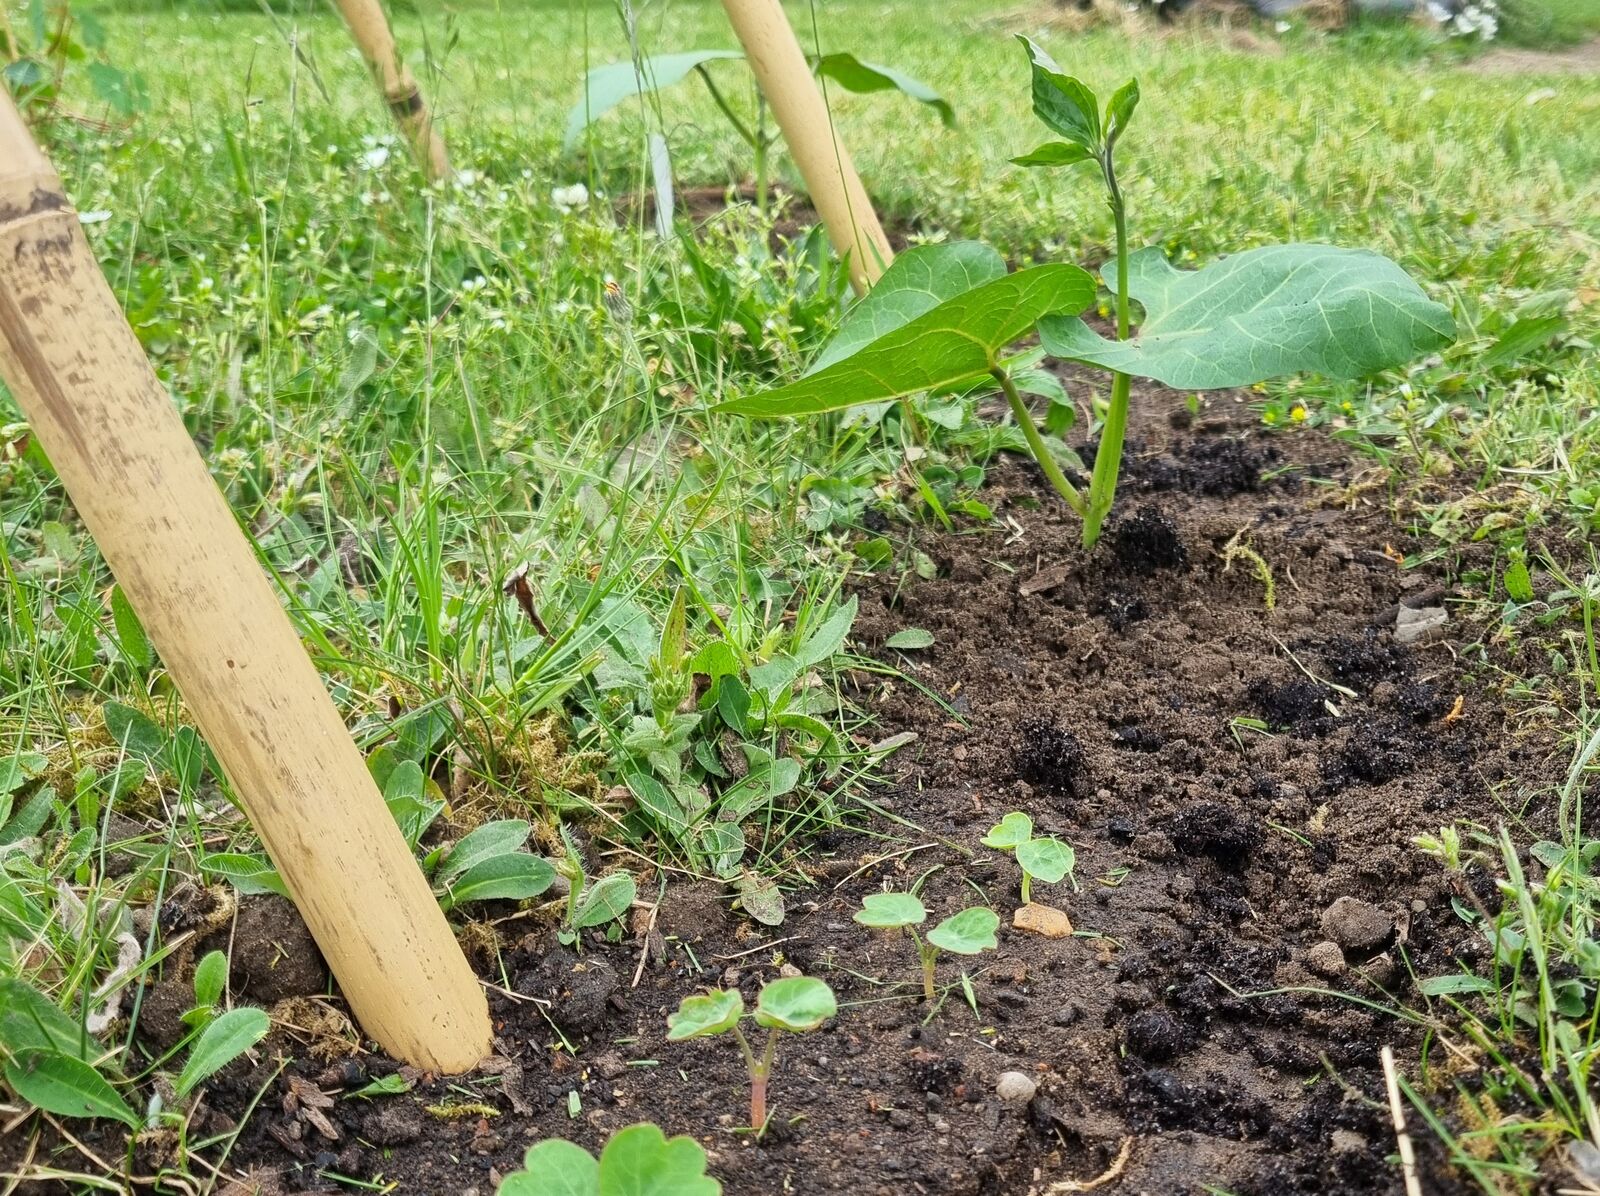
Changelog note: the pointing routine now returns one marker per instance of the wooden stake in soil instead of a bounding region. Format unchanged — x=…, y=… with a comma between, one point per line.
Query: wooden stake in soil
x=786, y=80
x=394, y=79
x=117, y=443
x=1408, y=1157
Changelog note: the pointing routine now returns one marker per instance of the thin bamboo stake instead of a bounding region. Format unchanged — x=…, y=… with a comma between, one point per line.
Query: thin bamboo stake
x=370, y=28
x=117, y=443
x=785, y=79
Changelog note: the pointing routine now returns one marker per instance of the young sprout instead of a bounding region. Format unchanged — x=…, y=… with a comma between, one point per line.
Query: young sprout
x=796, y=1004
x=1047, y=859
x=966, y=933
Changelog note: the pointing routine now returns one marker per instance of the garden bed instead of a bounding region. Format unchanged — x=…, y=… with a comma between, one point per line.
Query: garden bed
x=1119, y=698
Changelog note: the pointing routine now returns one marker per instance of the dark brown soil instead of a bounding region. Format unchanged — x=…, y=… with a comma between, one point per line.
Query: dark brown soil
x=1226, y=878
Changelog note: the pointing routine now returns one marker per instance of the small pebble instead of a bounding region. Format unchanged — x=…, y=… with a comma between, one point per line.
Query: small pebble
x=1015, y=1088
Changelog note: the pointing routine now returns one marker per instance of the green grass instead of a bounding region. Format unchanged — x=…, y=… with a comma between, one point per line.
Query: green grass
x=410, y=394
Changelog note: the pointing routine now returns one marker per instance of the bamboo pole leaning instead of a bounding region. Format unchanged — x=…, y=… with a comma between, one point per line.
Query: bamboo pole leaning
x=120, y=448
x=785, y=78
x=370, y=28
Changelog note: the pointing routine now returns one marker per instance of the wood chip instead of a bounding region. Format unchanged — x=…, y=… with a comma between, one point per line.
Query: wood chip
x=1047, y=579
x=1042, y=919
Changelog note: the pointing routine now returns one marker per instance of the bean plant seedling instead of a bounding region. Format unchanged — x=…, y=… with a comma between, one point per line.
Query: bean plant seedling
x=796, y=1004
x=1047, y=859
x=966, y=933
x=942, y=316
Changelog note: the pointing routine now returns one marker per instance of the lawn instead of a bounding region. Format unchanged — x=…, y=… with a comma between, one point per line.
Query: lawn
x=725, y=679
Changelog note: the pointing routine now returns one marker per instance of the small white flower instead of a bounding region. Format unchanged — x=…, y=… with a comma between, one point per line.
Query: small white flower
x=567, y=198
x=98, y=216
x=376, y=157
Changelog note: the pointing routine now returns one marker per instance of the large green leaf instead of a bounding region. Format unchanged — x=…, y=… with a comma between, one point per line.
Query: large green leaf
x=608, y=86
x=853, y=74
x=917, y=281
x=515, y=876
x=1282, y=309
x=65, y=1085
x=30, y=1020
x=957, y=339
x=1063, y=103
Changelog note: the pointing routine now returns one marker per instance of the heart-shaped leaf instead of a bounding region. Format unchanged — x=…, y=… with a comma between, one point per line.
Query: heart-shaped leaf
x=886, y=911
x=795, y=1003
x=967, y=933
x=65, y=1085
x=916, y=282
x=605, y=901
x=514, y=877
x=483, y=843
x=223, y=1041
x=955, y=340
x=642, y=1161
x=852, y=74
x=1048, y=860
x=554, y=1168
x=1015, y=829
x=715, y=1012
x=1282, y=309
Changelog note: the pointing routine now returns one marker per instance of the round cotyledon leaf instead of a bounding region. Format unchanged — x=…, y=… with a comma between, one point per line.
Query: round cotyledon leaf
x=643, y=1161
x=1011, y=832
x=887, y=911
x=967, y=933
x=796, y=1003
x=715, y=1012
x=1048, y=860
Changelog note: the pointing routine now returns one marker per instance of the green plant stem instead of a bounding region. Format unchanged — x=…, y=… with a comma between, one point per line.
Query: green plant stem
x=1108, y=457
x=929, y=954
x=1027, y=888
x=756, y=138
x=1036, y=444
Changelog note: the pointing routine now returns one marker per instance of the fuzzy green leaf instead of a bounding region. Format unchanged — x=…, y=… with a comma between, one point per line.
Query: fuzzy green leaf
x=30, y=1020
x=210, y=979
x=956, y=340
x=250, y=874
x=1015, y=829
x=513, y=877
x=224, y=1040
x=701, y=1016
x=1048, y=860
x=66, y=1086
x=605, y=901
x=887, y=911
x=796, y=1003
x=1265, y=313
x=131, y=636
x=910, y=639
x=967, y=933
x=483, y=843
x=760, y=897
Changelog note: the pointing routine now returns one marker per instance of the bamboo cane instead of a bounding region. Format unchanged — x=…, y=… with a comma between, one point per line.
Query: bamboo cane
x=120, y=448
x=394, y=79
x=785, y=79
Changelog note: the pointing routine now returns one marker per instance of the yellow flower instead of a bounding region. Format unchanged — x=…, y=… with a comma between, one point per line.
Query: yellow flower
x=1269, y=417
x=1298, y=413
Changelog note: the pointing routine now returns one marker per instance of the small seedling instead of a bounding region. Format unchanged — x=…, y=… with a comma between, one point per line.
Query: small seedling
x=639, y=1159
x=608, y=899
x=967, y=933
x=1047, y=859
x=796, y=1004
